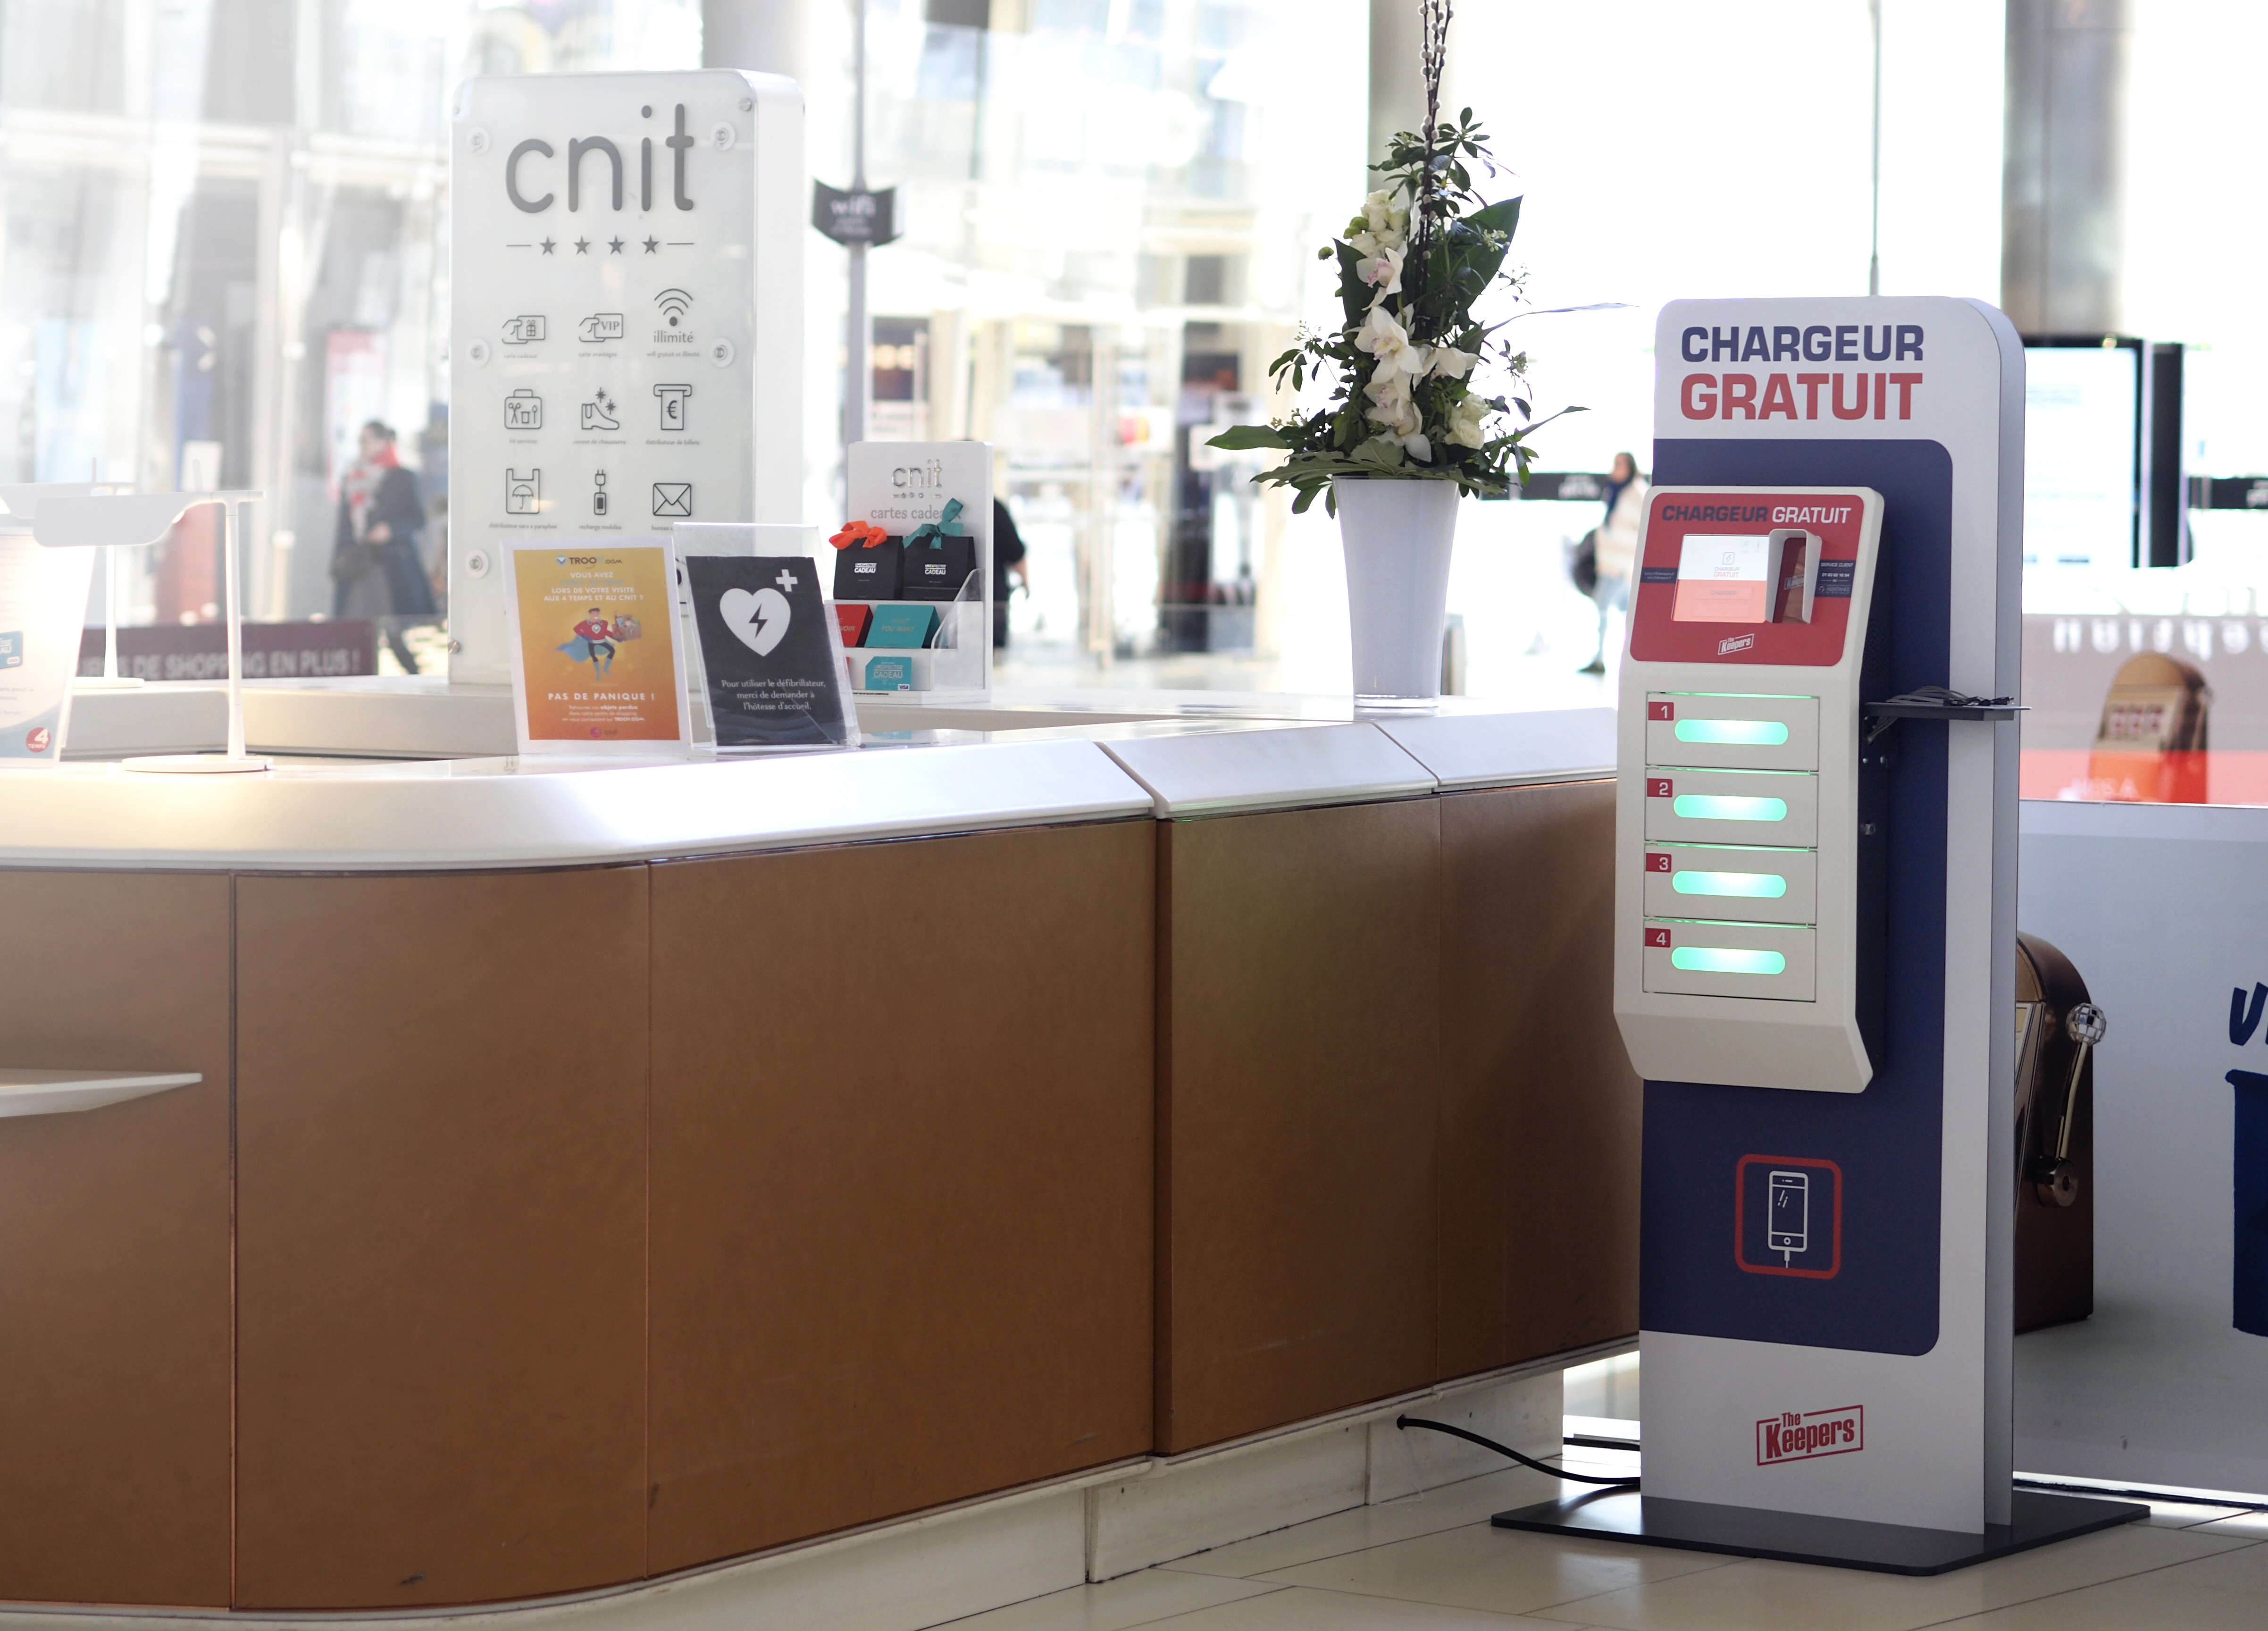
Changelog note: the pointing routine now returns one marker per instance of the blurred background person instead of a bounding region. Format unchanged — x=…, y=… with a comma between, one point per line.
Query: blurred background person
x=1617, y=548
x=375, y=564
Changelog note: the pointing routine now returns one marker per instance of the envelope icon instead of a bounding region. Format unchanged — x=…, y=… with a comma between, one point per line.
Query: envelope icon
x=674, y=498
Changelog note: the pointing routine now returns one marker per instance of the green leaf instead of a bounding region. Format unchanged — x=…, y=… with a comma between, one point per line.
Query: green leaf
x=1244, y=437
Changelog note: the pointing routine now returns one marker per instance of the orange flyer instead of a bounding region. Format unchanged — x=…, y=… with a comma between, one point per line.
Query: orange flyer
x=594, y=629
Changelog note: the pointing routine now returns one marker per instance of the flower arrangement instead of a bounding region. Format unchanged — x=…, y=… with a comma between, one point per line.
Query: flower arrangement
x=1412, y=265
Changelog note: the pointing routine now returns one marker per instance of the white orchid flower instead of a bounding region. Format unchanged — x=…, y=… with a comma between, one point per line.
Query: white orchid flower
x=1386, y=340
x=1382, y=270
x=1389, y=220
x=1451, y=363
x=1466, y=428
x=1398, y=415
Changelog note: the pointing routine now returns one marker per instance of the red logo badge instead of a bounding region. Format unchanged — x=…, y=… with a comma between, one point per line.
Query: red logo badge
x=37, y=739
x=1738, y=643
x=1792, y=1437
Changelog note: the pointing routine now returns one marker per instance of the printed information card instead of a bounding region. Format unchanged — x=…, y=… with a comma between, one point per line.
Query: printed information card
x=42, y=605
x=596, y=666
x=771, y=660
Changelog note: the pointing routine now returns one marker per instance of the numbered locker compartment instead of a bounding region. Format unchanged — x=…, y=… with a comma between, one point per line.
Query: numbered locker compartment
x=1778, y=960
x=1722, y=881
x=1738, y=733
x=1731, y=807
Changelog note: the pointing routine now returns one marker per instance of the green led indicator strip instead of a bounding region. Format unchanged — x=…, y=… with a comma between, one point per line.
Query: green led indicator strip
x=1718, y=806
x=1726, y=960
x=1751, y=885
x=1734, y=733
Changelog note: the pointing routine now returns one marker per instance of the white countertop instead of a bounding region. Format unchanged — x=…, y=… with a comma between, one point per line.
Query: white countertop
x=371, y=779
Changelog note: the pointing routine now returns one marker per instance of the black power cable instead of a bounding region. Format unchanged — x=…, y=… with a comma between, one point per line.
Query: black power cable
x=1406, y=1422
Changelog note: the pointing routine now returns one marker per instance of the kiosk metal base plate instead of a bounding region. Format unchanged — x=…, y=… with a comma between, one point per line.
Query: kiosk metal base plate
x=1799, y=1537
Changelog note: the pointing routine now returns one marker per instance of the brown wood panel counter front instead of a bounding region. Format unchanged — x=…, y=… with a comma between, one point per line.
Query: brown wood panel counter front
x=441, y=1135
x=901, y=1178
x=114, y=1373
x=1540, y=1108
x=1299, y=1014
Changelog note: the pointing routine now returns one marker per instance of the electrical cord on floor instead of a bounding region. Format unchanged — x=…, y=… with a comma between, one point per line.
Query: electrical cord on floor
x=1406, y=1422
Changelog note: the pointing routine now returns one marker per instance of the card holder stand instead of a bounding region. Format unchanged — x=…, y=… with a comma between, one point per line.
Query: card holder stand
x=953, y=659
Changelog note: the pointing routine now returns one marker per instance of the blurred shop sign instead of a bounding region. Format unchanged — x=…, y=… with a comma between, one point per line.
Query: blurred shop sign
x=868, y=217
x=272, y=651
x=2228, y=492
x=1565, y=486
x=1150, y=430
x=2132, y=707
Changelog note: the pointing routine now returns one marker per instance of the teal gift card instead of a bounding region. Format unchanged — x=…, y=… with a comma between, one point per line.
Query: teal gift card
x=901, y=624
x=889, y=674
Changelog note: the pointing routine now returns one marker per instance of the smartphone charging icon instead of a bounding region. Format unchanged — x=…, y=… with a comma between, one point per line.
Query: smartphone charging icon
x=1788, y=1219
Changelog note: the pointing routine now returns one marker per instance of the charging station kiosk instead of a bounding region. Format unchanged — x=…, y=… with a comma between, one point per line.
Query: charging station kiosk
x=1815, y=940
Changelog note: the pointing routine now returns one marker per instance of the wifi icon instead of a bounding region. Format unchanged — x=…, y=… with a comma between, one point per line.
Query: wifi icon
x=673, y=303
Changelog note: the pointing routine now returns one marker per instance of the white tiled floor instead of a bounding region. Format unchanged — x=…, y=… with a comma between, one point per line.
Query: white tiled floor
x=1433, y=1561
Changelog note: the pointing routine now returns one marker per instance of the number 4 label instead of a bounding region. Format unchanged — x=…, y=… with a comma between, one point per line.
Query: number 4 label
x=1658, y=937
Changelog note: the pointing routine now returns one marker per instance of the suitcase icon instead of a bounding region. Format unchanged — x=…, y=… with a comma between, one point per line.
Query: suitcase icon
x=523, y=410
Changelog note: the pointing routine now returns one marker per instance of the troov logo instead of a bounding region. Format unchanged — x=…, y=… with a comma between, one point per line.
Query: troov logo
x=1792, y=1437
x=1738, y=643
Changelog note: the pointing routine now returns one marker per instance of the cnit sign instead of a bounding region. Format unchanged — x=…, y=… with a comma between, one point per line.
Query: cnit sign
x=1792, y=1437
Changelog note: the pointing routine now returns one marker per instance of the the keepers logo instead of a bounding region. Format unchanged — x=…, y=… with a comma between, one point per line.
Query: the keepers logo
x=1737, y=643
x=1792, y=1437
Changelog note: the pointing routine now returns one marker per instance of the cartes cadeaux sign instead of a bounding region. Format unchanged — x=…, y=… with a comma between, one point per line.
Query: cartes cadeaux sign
x=626, y=315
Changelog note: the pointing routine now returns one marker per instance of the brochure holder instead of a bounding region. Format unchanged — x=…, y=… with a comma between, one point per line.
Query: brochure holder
x=913, y=491
x=93, y=517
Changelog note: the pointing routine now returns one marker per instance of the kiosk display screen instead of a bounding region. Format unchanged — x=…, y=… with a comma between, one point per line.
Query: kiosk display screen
x=1724, y=578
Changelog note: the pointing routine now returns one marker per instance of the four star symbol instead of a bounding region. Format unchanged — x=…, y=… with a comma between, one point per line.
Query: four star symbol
x=653, y=245
x=616, y=245
x=582, y=245
x=548, y=245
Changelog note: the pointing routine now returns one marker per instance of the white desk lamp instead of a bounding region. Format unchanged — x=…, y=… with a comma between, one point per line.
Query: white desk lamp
x=92, y=518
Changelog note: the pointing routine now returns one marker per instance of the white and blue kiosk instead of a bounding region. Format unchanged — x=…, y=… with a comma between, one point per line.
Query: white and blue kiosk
x=1815, y=940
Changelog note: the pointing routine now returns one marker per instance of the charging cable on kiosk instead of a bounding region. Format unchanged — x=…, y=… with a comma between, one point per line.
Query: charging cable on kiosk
x=1406, y=1422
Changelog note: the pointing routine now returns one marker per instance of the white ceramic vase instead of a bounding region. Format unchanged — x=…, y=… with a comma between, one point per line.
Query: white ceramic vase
x=1397, y=535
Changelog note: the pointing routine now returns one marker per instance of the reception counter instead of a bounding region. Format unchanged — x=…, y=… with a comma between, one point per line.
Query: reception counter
x=600, y=1171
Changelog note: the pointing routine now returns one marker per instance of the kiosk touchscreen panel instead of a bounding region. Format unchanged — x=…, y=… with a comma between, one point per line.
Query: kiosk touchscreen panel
x=1742, y=923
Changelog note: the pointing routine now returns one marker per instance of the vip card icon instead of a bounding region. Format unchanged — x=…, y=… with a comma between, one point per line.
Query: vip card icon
x=522, y=494
x=599, y=413
x=523, y=410
x=672, y=405
x=599, y=329
x=674, y=498
x=524, y=330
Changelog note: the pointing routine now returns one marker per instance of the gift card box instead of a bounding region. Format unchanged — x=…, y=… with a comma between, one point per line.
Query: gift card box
x=864, y=574
x=884, y=673
x=852, y=620
x=936, y=568
x=902, y=626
